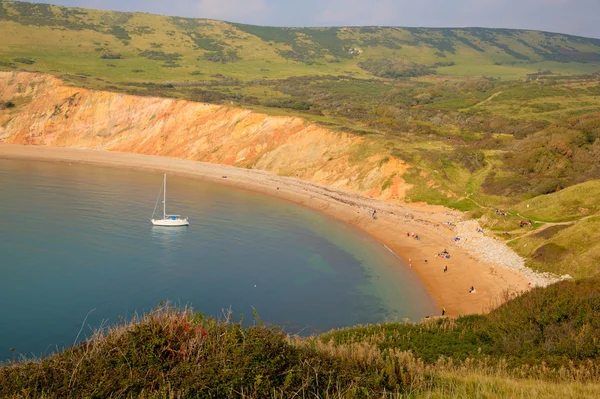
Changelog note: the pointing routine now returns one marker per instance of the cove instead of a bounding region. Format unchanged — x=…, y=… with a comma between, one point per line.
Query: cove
x=77, y=252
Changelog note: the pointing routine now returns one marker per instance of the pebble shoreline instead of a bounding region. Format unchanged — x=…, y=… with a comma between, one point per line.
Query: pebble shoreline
x=490, y=250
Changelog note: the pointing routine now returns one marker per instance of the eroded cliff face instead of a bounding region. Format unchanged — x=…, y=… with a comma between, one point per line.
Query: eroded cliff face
x=49, y=113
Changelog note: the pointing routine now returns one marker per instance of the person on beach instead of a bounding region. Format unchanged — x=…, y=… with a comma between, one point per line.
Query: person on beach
x=443, y=311
x=471, y=290
x=445, y=268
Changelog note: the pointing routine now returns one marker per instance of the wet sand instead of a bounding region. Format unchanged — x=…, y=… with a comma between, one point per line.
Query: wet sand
x=449, y=289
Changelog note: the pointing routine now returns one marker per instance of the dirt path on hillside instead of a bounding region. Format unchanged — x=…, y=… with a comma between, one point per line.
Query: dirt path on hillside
x=544, y=224
x=547, y=225
x=433, y=224
x=487, y=100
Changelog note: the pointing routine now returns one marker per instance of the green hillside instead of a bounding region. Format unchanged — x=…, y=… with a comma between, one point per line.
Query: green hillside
x=137, y=47
x=565, y=238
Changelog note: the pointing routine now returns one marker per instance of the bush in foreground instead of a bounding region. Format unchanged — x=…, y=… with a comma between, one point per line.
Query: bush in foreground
x=172, y=352
x=545, y=332
x=543, y=342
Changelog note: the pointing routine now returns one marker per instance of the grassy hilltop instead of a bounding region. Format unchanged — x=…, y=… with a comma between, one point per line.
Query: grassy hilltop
x=138, y=47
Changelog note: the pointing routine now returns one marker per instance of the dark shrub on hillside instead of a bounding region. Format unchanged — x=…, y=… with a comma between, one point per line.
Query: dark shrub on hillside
x=27, y=61
x=7, y=105
x=388, y=68
x=160, y=55
x=505, y=185
x=287, y=103
x=111, y=56
x=207, y=96
x=120, y=33
x=470, y=158
x=222, y=56
x=558, y=156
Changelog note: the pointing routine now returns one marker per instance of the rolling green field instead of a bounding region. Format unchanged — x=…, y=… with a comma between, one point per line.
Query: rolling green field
x=122, y=49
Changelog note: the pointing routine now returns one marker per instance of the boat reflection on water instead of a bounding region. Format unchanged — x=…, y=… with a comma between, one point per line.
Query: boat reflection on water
x=171, y=237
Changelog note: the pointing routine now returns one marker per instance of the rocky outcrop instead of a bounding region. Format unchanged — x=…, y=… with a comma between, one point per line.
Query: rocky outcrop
x=52, y=114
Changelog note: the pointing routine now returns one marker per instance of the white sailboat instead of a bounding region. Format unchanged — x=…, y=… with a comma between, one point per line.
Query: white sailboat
x=167, y=220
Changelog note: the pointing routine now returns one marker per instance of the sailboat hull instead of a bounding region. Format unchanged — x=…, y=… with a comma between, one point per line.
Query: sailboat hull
x=170, y=222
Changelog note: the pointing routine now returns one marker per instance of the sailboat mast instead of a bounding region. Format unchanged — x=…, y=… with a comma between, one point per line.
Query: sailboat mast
x=165, y=198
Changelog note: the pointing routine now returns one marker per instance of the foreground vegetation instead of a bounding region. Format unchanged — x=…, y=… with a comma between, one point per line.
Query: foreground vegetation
x=541, y=343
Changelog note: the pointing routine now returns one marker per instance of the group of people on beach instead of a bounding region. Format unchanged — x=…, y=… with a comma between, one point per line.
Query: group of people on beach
x=413, y=235
x=444, y=254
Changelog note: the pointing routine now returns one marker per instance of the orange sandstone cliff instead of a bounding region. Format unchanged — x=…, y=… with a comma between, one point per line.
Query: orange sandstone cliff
x=52, y=114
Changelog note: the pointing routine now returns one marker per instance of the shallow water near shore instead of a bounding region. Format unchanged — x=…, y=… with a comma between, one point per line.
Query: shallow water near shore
x=77, y=251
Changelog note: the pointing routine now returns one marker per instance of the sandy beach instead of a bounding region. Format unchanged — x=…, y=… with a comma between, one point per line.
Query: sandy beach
x=449, y=289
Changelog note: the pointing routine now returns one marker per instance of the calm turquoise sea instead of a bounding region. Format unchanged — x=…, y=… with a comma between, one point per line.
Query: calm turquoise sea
x=77, y=251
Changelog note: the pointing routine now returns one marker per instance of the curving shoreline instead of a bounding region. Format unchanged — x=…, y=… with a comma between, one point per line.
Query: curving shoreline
x=449, y=290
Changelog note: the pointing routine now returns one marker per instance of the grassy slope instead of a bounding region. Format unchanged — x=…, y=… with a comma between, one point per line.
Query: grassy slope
x=542, y=325
x=542, y=343
x=564, y=237
x=569, y=204
x=568, y=241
